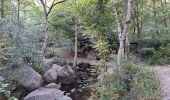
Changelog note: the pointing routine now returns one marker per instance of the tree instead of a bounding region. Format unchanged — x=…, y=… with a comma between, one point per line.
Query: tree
x=76, y=42
x=47, y=11
x=163, y=10
x=124, y=36
x=76, y=35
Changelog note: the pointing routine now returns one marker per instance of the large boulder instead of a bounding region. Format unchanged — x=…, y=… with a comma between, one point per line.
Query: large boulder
x=47, y=64
x=65, y=98
x=46, y=94
x=26, y=76
x=51, y=76
x=53, y=85
x=65, y=74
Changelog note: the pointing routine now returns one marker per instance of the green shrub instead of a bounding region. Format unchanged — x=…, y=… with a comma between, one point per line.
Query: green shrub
x=147, y=51
x=138, y=84
x=161, y=56
x=141, y=84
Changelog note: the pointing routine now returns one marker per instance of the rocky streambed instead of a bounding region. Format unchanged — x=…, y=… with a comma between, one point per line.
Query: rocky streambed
x=59, y=81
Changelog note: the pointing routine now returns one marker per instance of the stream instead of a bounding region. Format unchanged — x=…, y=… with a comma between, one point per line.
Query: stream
x=81, y=90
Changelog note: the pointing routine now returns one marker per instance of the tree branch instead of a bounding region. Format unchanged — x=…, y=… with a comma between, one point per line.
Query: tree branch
x=44, y=6
x=53, y=4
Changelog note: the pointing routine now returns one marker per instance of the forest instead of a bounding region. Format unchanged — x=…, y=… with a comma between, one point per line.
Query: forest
x=84, y=49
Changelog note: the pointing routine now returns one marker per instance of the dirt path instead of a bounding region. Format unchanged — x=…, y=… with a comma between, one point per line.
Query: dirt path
x=164, y=75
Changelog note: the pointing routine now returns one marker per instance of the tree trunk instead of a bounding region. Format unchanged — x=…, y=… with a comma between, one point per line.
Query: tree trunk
x=44, y=48
x=124, y=36
x=2, y=9
x=46, y=35
x=127, y=26
x=47, y=11
x=121, y=49
x=163, y=10
x=75, y=50
x=138, y=21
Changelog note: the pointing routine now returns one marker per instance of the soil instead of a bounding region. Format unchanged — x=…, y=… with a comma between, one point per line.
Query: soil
x=163, y=73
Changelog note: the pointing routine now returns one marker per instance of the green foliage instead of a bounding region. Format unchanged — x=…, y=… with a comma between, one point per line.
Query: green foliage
x=7, y=93
x=18, y=43
x=147, y=51
x=109, y=92
x=140, y=83
x=101, y=47
x=161, y=56
x=137, y=83
x=95, y=20
x=2, y=87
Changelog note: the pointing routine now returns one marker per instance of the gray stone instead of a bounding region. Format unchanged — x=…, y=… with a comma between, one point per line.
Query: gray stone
x=46, y=94
x=51, y=76
x=66, y=75
x=26, y=76
x=53, y=85
x=47, y=64
x=56, y=67
x=65, y=98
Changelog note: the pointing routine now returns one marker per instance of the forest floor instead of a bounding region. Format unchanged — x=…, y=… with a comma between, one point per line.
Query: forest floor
x=163, y=73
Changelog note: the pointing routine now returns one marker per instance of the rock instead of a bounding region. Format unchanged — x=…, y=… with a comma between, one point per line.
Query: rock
x=46, y=94
x=53, y=85
x=6, y=72
x=65, y=98
x=51, y=76
x=47, y=64
x=70, y=70
x=56, y=67
x=26, y=76
x=66, y=75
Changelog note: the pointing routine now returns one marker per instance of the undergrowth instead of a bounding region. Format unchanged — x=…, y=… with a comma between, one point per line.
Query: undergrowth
x=161, y=56
x=138, y=84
